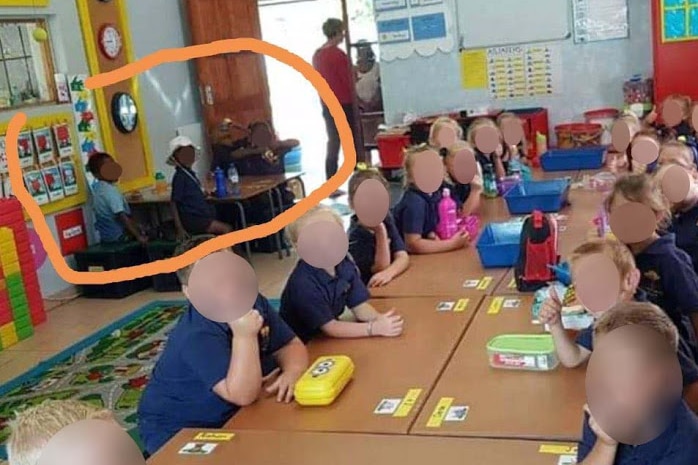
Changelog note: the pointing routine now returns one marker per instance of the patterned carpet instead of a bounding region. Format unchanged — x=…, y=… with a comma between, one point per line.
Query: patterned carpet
x=109, y=369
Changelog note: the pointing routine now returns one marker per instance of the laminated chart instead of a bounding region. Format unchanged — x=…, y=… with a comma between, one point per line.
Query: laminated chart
x=524, y=71
x=21, y=304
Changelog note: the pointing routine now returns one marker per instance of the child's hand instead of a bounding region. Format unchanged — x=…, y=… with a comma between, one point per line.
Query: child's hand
x=380, y=229
x=281, y=383
x=461, y=239
x=600, y=433
x=380, y=279
x=248, y=325
x=651, y=117
x=551, y=309
x=388, y=324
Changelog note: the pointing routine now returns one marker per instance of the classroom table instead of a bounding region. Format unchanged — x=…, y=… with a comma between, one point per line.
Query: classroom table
x=504, y=403
x=403, y=368
x=306, y=448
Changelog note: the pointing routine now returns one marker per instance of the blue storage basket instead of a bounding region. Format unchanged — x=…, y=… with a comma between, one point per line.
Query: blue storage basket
x=562, y=273
x=498, y=245
x=293, y=160
x=546, y=196
x=583, y=158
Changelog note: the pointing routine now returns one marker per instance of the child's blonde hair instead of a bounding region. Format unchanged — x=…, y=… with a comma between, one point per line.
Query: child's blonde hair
x=480, y=123
x=411, y=154
x=684, y=102
x=440, y=123
x=640, y=188
x=506, y=115
x=618, y=252
x=642, y=314
x=294, y=229
x=363, y=174
x=33, y=428
x=459, y=145
x=685, y=151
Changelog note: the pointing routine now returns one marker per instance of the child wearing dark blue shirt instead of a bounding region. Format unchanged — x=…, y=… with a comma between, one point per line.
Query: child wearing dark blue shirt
x=315, y=298
x=466, y=195
x=685, y=213
x=678, y=443
x=209, y=370
x=667, y=274
x=573, y=352
x=495, y=162
x=379, y=252
x=416, y=214
x=190, y=209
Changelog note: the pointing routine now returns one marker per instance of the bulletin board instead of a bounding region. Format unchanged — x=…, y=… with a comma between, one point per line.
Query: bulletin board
x=488, y=23
x=50, y=161
x=679, y=20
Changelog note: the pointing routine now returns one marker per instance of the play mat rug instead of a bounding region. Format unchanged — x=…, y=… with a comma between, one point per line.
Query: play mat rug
x=109, y=369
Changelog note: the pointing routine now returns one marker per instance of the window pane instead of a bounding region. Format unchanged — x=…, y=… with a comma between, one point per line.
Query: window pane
x=5, y=97
x=24, y=31
x=11, y=42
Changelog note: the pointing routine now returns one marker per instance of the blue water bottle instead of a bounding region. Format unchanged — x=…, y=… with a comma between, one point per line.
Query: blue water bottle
x=221, y=185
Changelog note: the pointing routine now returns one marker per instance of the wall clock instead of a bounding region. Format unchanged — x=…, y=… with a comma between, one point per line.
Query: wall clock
x=110, y=42
x=124, y=112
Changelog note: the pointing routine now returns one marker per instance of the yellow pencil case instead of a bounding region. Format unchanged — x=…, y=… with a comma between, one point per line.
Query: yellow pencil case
x=324, y=381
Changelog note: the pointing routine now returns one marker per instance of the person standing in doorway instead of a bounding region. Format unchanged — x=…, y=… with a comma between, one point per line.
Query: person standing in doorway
x=335, y=66
x=368, y=82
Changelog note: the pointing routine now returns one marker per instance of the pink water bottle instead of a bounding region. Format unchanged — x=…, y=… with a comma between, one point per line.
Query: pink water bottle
x=448, y=216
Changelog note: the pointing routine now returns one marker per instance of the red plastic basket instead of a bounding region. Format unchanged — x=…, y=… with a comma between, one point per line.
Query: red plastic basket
x=575, y=135
x=391, y=148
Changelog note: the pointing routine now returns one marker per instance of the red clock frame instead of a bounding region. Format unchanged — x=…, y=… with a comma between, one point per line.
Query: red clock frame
x=100, y=41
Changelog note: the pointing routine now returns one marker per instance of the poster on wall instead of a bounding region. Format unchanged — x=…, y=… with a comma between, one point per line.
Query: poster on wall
x=25, y=147
x=679, y=20
x=70, y=180
x=34, y=182
x=414, y=26
x=44, y=144
x=3, y=156
x=596, y=20
x=516, y=71
x=54, y=182
x=86, y=122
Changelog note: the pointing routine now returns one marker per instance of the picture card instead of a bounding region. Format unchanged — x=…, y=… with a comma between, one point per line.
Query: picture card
x=197, y=448
x=445, y=306
x=34, y=182
x=62, y=90
x=387, y=406
x=68, y=174
x=64, y=141
x=3, y=156
x=26, y=150
x=471, y=283
x=6, y=186
x=54, y=182
x=512, y=303
x=43, y=141
x=457, y=413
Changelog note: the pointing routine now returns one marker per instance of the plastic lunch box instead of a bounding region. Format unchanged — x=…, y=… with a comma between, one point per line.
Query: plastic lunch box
x=324, y=381
x=533, y=352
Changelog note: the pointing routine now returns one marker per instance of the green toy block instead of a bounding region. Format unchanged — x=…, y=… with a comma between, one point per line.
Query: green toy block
x=15, y=285
x=24, y=332
x=19, y=301
x=20, y=311
x=23, y=322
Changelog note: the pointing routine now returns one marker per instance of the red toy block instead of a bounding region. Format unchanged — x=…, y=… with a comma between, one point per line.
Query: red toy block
x=37, y=319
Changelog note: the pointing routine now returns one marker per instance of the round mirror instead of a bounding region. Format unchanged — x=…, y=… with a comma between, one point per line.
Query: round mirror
x=124, y=112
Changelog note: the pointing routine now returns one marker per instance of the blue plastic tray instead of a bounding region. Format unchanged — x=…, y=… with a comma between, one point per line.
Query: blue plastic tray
x=583, y=158
x=498, y=245
x=562, y=273
x=546, y=196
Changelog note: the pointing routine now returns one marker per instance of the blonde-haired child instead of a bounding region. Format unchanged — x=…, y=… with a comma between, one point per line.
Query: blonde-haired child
x=684, y=129
x=33, y=428
x=315, y=298
x=379, y=252
x=667, y=275
x=417, y=215
x=441, y=123
x=496, y=161
x=684, y=222
x=512, y=152
x=466, y=195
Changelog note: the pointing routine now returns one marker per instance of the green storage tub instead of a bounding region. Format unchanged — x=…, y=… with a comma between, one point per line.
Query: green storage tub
x=533, y=352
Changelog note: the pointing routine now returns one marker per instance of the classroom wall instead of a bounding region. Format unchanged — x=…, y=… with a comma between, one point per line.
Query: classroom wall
x=168, y=92
x=593, y=76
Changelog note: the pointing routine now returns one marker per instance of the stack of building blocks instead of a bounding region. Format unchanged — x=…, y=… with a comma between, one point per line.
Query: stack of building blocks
x=21, y=304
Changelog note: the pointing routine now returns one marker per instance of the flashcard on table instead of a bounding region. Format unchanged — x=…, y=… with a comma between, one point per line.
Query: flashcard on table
x=512, y=284
x=485, y=283
x=461, y=305
x=197, y=448
x=512, y=303
x=445, y=306
x=387, y=406
x=557, y=449
x=458, y=413
x=567, y=460
x=440, y=411
x=212, y=436
x=495, y=306
x=471, y=283
x=407, y=403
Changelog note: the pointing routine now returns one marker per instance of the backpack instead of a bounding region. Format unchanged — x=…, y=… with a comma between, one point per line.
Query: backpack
x=538, y=252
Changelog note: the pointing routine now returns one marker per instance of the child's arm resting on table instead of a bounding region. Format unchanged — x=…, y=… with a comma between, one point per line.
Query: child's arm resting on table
x=293, y=361
x=418, y=245
x=371, y=323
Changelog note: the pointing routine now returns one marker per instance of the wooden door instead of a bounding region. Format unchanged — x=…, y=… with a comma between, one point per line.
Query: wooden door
x=232, y=85
x=675, y=62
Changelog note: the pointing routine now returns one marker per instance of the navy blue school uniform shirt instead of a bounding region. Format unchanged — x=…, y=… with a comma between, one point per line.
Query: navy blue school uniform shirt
x=678, y=445
x=459, y=192
x=312, y=298
x=417, y=212
x=488, y=161
x=194, y=211
x=196, y=358
x=362, y=244
x=668, y=278
x=685, y=227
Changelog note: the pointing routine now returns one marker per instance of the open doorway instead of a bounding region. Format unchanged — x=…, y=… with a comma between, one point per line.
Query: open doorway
x=297, y=26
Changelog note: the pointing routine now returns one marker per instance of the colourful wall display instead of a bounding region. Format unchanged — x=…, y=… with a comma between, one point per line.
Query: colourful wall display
x=21, y=304
x=679, y=20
